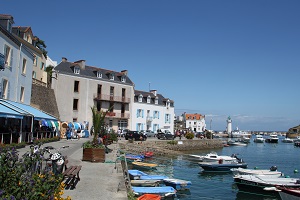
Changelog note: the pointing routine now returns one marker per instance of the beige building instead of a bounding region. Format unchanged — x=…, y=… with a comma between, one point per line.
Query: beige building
x=79, y=87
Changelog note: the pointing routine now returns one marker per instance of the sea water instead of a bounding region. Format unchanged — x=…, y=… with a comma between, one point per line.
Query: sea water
x=220, y=185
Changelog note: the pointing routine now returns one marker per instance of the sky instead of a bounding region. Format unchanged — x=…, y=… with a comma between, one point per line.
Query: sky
x=218, y=58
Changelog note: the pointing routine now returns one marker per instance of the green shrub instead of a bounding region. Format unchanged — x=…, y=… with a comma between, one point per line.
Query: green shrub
x=173, y=142
x=189, y=135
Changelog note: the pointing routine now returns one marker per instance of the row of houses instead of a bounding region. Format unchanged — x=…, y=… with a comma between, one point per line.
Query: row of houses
x=77, y=86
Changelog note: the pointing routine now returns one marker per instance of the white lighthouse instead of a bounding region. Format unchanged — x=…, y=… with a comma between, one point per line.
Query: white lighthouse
x=229, y=129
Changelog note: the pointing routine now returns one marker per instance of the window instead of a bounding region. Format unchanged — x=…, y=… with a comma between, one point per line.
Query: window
x=24, y=66
x=42, y=65
x=22, y=94
x=167, y=118
x=5, y=89
x=99, y=74
x=8, y=54
x=110, y=123
x=140, y=113
x=99, y=105
x=155, y=114
x=140, y=98
x=111, y=77
x=33, y=74
x=112, y=91
x=168, y=103
x=76, y=70
x=74, y=119
x=156, y=100
x=76, y=86
x=148, y=99
x=123, y=92
x=35, y=61
x=123, y=79
x=99, y=89
x=75, y=104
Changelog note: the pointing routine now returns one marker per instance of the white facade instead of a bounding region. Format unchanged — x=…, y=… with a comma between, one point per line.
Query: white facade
x=151, y=112
x=195, y=122
x=16, y=79
x=229, y=125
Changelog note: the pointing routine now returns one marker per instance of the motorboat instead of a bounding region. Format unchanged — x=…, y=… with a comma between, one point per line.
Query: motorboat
x=287, y=140
x=222, y=166
x=139, y=175
x=273, y=138
x=236, y=143
x=144, y=165
x=259, y=139
x=262, y=183
x=149, y=197
x=213, y=157
x=297, y=143
x=289, y=193
x=238, y=133
x=178, y=184
x=163, y=191
x=133, y=157
x=245, y=139
x=267, y=172
x=145, y=183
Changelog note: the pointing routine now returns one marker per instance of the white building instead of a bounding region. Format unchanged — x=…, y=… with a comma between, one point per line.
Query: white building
x=229, y=125
x=152, y=111
x=195, y=122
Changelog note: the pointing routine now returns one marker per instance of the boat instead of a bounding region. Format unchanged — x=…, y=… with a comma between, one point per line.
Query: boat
x=259, y=139
x=145, y=183
x=297, y=144
x=144, y=165
x=133, y=157
x=236, y=143
x=245, y=139
x=139, y=175
x=222, y=166
x=213, y=157
x=148, y=154
x=238, y=133
x=287, y=140
x=273, y=138
x=267, y=172
x=149, y=197
x=178, y=184
x=288, y=193
x=163, y=191
x=262, y=183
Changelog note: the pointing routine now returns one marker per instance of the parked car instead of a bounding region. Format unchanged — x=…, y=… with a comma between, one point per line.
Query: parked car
x=165, y=134
x=123, y=132
x=135, y=135
x=150, y=133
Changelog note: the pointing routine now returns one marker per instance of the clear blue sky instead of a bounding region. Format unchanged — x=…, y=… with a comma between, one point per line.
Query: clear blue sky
x=219, y=58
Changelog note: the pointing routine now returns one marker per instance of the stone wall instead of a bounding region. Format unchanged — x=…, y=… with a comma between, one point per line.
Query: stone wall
x=163, y=147
x=44, y=99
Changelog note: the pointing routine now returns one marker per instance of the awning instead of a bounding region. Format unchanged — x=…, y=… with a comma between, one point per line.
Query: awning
x=27, y=110
x=9, y=113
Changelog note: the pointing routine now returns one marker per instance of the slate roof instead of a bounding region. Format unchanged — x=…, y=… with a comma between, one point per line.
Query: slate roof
x=161, y=99
x=91, y=72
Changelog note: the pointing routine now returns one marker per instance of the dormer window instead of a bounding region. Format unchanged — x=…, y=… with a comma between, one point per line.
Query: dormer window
x=111, y=77
x=168, y=103
x=148, y=99
x=123, y=79
x=140, y=98
x=156, y=100
x=76, y=70
x=99, y=74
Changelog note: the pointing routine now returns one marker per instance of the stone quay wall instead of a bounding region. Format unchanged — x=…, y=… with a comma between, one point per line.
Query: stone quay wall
x=165, y=147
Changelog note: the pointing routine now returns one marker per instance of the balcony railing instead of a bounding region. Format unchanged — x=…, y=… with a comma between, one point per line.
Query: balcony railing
x=149, y=119
x=118, y=115
x=106, y=97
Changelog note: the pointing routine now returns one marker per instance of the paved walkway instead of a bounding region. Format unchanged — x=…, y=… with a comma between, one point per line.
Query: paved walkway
x=97, y=180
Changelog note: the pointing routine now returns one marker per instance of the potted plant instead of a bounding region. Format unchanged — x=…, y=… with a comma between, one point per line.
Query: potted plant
x=94, y=151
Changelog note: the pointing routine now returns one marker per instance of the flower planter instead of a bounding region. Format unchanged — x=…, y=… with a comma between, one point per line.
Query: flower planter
x=93, y=155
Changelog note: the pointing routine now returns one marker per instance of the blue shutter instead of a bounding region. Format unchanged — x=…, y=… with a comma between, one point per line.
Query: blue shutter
x=153, y=114
x=142, y=127
x=137, y=113
x=158, y=114
x=165, y=118
x=8, y=90
x=143, y=114
x=137, y=126
x=11, y=58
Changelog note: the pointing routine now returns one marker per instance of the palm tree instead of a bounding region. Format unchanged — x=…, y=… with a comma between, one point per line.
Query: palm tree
x=49, y=71
x=98, y=123
x=37, y=42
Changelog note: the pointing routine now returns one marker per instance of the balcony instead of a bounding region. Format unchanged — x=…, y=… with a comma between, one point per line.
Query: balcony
x=149, y=119
x=118, y=115
x=106, y=97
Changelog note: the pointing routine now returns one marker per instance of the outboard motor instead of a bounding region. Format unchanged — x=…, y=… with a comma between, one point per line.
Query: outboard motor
x=273, y=168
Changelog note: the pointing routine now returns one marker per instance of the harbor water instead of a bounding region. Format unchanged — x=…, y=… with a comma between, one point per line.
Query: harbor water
x=220, y=185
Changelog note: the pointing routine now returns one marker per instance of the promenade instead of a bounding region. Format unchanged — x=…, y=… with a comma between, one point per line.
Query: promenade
x=97, y=180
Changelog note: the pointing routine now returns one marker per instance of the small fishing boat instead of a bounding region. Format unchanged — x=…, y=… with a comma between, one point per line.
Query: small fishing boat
x=137, y=174
x=144, y=165
x=148, y=154
x=236, y=143
x=163, y=191
x=267, y=172
x=212, y=157
x=287, y=140
x=273, y=138
x=178, y=184
x=149, y=197
x=133, y=157
x=297, y=144
x=222, y=166
x=145, y=183
x=259, y=139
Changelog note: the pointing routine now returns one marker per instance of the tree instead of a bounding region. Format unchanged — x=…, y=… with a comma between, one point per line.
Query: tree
x=49, y=70
x=37, y=42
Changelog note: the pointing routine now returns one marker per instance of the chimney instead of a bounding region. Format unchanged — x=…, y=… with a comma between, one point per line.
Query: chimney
x=125, y=72
x=154, y=92
x=81, y=63
x=64, y=59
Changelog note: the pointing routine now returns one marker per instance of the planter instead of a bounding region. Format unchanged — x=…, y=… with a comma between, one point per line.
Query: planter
x=93, y=155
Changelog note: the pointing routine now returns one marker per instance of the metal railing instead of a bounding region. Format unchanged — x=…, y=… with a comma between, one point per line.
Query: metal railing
x=106, y=97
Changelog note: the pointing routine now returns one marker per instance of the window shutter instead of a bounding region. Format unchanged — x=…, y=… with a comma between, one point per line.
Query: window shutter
x=165, y=118
x=137, y=126
x=142, y=127
x=142, y=113
x=137, y=113
x=1, y=91
x=8, y=90
x=11, y=58
x=158, y=114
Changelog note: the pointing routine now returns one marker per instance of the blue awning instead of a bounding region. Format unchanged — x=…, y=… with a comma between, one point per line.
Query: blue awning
x=9, y=113
x=27, y=110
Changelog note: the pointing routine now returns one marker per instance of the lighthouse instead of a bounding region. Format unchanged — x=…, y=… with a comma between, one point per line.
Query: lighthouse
x=229, y=129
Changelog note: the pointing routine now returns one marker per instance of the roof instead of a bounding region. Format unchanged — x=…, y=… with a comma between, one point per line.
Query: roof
x=161, y=99
x=193, y=116
x=91, y=72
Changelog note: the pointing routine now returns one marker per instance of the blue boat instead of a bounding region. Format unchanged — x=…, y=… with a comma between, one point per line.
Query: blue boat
x=164, y=191
x=133, y=157
x=139, y=175
x=178, y=184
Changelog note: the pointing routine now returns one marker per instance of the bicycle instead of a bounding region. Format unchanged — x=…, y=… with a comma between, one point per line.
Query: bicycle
x=56, y=158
